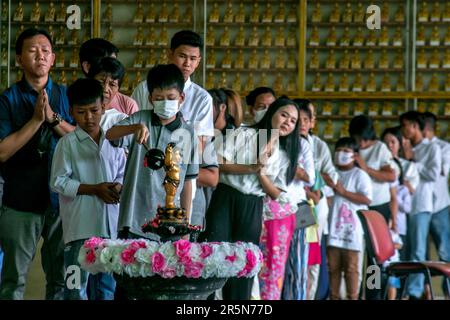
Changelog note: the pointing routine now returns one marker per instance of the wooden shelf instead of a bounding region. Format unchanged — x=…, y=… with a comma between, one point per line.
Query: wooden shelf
x=440, y=95
x=337, y=70
x=42, y=22
x=355, y=47
x=248, y=24
x=349, y=117
x=432, y=70
x=351, y=24
x=433, y=47
x=257, y=70
x=247, y=47
x=434, y=23
x=132, y=24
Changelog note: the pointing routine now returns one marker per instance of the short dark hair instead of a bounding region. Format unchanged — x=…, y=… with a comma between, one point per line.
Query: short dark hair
x=430, y=120
x=188, y=38
x=165, y=76
x=303, y=105
x=84, y=91
x=413, y=116
x=109, y=66
x=362, y=126
x=93, y=50
x=347, y=142
x=29, y=33
x=251, y=97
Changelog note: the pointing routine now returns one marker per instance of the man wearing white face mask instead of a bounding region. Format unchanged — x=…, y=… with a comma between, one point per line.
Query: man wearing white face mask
x=353, y=192
x=142, y=187
x=258, y=101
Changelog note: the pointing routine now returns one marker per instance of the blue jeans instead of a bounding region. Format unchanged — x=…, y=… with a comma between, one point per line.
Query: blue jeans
x=1, y=264
x=76, y=279
x=419, y=226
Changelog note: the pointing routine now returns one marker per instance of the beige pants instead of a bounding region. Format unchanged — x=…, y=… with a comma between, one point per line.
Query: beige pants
x=343, y=261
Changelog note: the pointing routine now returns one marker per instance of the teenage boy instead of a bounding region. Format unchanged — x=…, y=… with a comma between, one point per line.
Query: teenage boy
x=91, y=53
x=197, y=109
x=428, y=159
x=34, y=113
x=142, y=189
x=87, y=173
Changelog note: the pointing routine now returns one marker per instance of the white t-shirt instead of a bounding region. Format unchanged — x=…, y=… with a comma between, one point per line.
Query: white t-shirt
x=441, y=194
x=110, y=118
x=197, y=107
x=345, y=229
x=396, y=239
x=376, y=157
x=240, y=147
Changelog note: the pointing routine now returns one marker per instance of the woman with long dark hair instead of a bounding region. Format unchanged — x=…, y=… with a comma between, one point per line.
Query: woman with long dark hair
x=254, y=162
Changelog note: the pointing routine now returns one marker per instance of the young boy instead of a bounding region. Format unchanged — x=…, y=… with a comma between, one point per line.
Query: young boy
x=428, y=159
x=156, y=128
x=353, y=192
x=109, y=72
x=87, y=172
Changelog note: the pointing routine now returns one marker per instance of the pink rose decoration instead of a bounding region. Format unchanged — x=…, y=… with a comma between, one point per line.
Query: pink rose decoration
x=206, y=251
x=274, y=206
x=93, y=243
x=182, y=247
x=158, y=262
x=90, y=257
x=193, y=270
x=128, y=256
x=231, y=258
x=251, y=259
x=168, y=273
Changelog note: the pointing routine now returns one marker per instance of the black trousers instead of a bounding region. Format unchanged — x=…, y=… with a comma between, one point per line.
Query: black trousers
x=233, y=216
x=384, y=210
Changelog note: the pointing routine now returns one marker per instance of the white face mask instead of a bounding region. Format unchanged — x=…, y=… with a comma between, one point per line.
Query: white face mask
x=259, y=114
x=343, y=158
x=165, y=108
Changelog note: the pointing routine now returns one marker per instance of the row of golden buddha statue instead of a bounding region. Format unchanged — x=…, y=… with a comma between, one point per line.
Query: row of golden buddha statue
x=355, y=108
x=254, y=39
x=437, y=13
x=357, y=86
x=435, y=60
x=52, y=14
x=354, y=60
x=239, y=83
x=59, y=37
x=435, y=37
x=361, y=38
x=357, y=15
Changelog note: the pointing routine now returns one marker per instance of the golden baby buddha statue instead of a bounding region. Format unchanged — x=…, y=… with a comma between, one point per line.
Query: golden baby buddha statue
x=330, y=62
x=280, y=61
x=240, y=16
x=317, y=84
x=400, y=85
x=175, y=14
x=239, y=41
x=292, y=14
x=446, y=62
x=254, y=16
x=398, y=60
x=419, y=82
x=225, y=37
x=343, y=83
x=331, y=38
x=335, y=15
x=359, y=108
x=434, y=83
x=435, y=61
x=223, y=83
x=447, y=37
x=229, y=15
x=151, y=40
x=327, y=109
x=358, y=40
x=386, y=83
x=239, y=63
x=329, y=84
x=4, y=16
x=435, y=39
x=214, y=15
x=398, y=38
x=253, y=41
x=60, y=38
x=371, y=83
x=399, y=15
x=250, y=85
x=369, y=61
x=345, y=39
x=253, y=61
x=151, y=59
x=373, y=109
x=107, y=16
x=210, y=36
x=187, y=17
x=421, y=59
x=371, y=39
x=226, y=62
x=211, y=59
x=264, y=81
x=281, y=14
x=278, y=83
x=446, y=13
x=18, y=13
x=420, y=37
x=314, y=61
x=61, y=15
x=355, y=61
x=292, y=84
x=347, y=16
x=109, y=34
x=265, y=62
x=139, y=37
x=237, y=83
x=291, y=60
x=435, y=13
x=314, y=40
x=383, y=40
x=383, y=63
x=280, y=38
x=74, y=39
x=73, y=63
x=163, y=37
x=267, y=37
x=60, y=59
x=385, y=12
x=344, y=62
x=164, y=13
x=316, y=14
x=151, y=13
x=36, y=13
x=359, y=14
x=268, y=15
x=328, y=132
x=210, y=81
x=139, y=59
x=292, y=37
x=139, y=14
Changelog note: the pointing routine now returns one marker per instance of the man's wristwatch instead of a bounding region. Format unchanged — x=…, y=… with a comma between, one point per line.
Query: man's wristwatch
x=57, y=119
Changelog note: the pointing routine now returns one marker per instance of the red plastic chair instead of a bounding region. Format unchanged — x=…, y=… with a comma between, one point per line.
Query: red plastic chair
x=380, y=248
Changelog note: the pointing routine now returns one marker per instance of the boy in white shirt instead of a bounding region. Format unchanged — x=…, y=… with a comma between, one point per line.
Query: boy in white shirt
x=353, y=192
x=87, y=172
x=428, y=159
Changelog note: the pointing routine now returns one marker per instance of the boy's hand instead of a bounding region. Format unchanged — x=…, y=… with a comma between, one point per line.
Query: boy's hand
x=360, y=162
x=117, y=188
x=106, y=191
x=339, y=188
x=141, y=134
x=328, y=180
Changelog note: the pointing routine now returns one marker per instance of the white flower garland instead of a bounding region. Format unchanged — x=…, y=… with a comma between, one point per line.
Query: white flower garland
x=144, y=258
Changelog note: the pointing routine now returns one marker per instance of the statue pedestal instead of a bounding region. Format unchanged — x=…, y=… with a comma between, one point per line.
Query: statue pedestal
x=158, y=288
